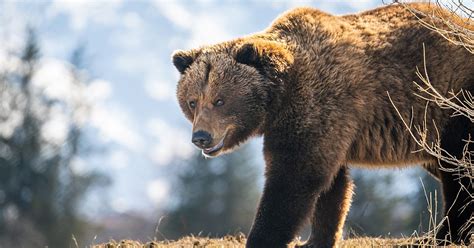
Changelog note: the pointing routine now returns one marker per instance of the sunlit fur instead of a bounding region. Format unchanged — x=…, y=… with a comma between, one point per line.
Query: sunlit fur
x=316, y=86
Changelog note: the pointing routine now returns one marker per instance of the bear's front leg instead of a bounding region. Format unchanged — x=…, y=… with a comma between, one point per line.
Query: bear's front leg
x=293, y=183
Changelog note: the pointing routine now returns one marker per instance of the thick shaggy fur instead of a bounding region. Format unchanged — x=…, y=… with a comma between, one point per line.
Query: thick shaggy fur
x=317, y=87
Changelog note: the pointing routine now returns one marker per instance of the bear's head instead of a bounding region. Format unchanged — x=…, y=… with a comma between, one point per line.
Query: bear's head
x=226, y=90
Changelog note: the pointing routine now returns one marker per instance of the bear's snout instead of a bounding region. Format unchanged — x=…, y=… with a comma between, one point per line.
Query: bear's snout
x=201, y=139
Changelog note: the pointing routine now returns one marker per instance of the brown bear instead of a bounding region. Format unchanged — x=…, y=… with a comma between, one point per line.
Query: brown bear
x=317, y=88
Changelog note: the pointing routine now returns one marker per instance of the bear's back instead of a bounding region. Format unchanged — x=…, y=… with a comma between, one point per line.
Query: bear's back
x=387, y=36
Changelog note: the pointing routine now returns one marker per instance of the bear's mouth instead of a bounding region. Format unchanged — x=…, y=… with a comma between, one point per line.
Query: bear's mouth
x=211, y=151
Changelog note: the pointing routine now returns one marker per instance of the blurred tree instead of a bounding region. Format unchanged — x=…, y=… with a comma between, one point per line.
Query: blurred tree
x=39, y=190
x=378, y=209
x=216, y=196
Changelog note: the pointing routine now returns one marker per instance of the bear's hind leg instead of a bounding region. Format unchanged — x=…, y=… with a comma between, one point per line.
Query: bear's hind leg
x=458, y=189
x=330, y=212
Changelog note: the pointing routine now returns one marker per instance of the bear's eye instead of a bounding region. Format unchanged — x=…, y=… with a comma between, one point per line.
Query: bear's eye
x=192, y=104
x=219, y=102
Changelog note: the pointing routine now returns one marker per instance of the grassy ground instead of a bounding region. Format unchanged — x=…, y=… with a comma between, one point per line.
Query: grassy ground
x=239, y=242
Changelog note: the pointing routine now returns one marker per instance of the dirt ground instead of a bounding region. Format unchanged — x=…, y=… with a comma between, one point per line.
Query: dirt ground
x=239, y=242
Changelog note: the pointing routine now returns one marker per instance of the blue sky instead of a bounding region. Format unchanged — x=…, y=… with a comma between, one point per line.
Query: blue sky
x=134, y=114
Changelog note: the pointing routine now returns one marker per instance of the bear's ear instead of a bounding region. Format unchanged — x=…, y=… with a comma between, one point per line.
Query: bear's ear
x=247, y=54
x=264, y=55
x=183, y=59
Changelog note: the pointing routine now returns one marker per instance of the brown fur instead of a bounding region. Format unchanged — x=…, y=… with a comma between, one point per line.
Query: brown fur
x=316, y=87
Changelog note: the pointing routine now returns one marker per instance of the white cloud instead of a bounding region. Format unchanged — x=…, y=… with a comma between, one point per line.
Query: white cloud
x=138, y=62
x=209, y=29
x=357, y=6
x=98, y=90
x=205, y=27
x=157, y=191
x=176, y=13
x=131, y=35
x=119, y=159
x=172, y=143
x=115, y=125
x=111, y=121
x=13, y=20
x=335, y=7
x=91, y=102
x=54, y=78
x=160, y=90
x=132, y=20
x=82, y=12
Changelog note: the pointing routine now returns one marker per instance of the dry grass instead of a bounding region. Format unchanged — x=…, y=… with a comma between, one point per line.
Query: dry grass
x=239, y=242
x=228, y=241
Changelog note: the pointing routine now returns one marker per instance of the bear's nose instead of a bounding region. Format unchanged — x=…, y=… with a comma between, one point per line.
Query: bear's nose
x=201, y=139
